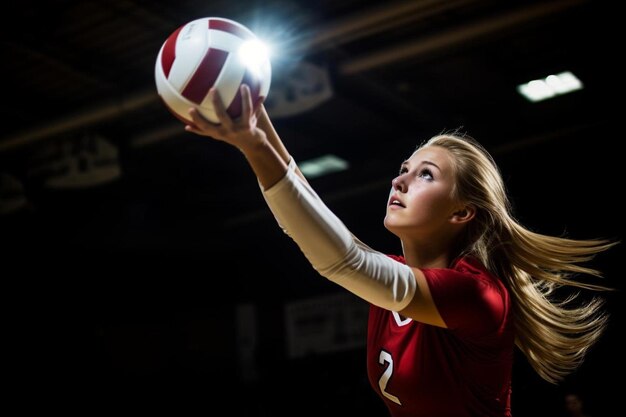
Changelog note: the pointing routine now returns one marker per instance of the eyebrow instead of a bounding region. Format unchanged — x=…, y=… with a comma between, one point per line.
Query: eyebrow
x=406, y=162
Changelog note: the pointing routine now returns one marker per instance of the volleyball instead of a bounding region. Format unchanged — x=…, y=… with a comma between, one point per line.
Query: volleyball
x=207, y=52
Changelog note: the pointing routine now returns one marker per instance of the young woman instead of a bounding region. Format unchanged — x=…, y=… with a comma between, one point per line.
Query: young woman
x=471, y=284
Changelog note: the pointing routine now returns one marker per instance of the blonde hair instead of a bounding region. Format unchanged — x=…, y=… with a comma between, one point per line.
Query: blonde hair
x=554, y=334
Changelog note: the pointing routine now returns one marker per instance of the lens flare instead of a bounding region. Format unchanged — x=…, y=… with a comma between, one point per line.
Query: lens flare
x=254, y=54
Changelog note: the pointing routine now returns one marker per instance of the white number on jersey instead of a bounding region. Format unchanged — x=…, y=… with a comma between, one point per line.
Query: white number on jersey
x=384, y=378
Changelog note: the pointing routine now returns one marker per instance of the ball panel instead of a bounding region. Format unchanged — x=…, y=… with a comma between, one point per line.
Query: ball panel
x=191, y=47
x=234, y=109
x=174, y=102
x=265, y=77
x=225, y=41
x=232, y=27
x=169, y=52
x=205, y=75
x=229, y=80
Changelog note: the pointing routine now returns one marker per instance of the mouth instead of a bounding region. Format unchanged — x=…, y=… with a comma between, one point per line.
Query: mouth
x=395, y=202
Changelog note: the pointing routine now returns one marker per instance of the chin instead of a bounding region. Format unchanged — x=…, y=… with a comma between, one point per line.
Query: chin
x=390, y=226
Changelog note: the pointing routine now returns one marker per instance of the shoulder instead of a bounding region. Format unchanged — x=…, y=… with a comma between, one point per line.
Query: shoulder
x=473, y=266
x=465, y=270
x=468, y=294
x=473, y=272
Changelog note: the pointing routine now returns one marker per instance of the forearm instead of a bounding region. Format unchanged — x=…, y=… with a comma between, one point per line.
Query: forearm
x=332, y=250
x=266, y=162
x=265, y=124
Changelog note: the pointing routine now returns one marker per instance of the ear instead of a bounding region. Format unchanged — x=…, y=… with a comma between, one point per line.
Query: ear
x=463, y=215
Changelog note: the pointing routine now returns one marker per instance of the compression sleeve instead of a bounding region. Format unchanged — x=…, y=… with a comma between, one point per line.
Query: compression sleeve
x=332, y=250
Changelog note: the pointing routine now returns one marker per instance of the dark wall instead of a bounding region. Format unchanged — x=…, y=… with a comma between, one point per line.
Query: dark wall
x=112, y=303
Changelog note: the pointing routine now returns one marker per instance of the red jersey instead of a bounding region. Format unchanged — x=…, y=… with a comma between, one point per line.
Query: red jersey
x=462, y=371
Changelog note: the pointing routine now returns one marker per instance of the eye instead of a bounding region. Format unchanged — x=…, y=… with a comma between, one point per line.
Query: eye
x=403, y=170
x=426, y=174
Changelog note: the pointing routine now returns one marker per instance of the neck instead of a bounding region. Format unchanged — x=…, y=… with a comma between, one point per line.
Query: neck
x=421, y=256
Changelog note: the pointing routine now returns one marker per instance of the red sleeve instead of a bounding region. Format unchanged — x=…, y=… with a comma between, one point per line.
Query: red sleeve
x=470, y=302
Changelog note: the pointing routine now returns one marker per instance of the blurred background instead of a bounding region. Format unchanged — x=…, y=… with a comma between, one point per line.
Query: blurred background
x=142, y=270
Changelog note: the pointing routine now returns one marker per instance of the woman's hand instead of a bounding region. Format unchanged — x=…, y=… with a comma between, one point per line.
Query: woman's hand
x=242, y=132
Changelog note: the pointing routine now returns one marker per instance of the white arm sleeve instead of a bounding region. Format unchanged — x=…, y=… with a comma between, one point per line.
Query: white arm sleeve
x=332, y=250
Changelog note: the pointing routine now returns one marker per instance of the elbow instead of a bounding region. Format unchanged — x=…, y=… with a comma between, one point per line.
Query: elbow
x=373, y=277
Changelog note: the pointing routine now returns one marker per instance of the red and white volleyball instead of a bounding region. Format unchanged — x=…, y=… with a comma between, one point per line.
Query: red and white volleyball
x=209, y=52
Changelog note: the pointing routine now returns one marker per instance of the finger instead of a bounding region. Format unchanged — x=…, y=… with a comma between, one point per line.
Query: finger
x=193, y=129
x=191, y=124
x=212, y=132
x=257, y=106
x=246, y=102
x=218, y=106
x=199, y=124
x=199, y=121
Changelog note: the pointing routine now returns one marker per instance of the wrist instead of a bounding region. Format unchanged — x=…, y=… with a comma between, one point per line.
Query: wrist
x=256, y=143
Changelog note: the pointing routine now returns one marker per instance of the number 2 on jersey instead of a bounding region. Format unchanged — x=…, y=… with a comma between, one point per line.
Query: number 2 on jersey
x=383, y=358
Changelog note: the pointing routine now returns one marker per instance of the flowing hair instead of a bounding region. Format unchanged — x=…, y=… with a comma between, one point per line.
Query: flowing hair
x=553, y=333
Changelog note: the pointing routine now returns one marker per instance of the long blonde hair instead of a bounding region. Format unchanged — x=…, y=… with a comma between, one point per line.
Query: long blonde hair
x=553, y=333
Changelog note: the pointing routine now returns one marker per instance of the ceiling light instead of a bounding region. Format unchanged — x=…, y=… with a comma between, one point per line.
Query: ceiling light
x=551, y=86
x=323, y=165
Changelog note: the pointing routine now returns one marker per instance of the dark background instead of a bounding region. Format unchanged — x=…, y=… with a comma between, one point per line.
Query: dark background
x=124, y=296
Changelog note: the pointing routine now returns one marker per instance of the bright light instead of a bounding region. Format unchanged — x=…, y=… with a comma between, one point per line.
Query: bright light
x=254, y=55
x=552, y=85
x=323, y=165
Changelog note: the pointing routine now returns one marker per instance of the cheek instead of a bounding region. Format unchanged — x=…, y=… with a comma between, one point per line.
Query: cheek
x=430, y=204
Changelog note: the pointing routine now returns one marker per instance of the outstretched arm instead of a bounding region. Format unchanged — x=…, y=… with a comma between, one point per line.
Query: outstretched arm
x=265, y=124
x=255, y=128
x=326, y=242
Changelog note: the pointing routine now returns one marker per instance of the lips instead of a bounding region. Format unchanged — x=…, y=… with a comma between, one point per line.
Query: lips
x=395, y=201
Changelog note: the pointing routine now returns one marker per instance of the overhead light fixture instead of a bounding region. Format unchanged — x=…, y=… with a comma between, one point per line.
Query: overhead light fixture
x=324, y=165
x=87, y=161
x=550, y=86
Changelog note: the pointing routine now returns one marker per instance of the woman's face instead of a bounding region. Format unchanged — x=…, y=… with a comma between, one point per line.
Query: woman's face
x=420, y=203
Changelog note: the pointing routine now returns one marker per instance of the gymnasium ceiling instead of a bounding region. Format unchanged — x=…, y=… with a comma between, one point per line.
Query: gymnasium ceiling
x=399, y=71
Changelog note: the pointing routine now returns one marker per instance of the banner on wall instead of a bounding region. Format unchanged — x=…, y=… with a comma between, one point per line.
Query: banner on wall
x=325, y=324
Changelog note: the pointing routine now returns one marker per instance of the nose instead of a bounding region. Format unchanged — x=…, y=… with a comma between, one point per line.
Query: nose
x=397, y=184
